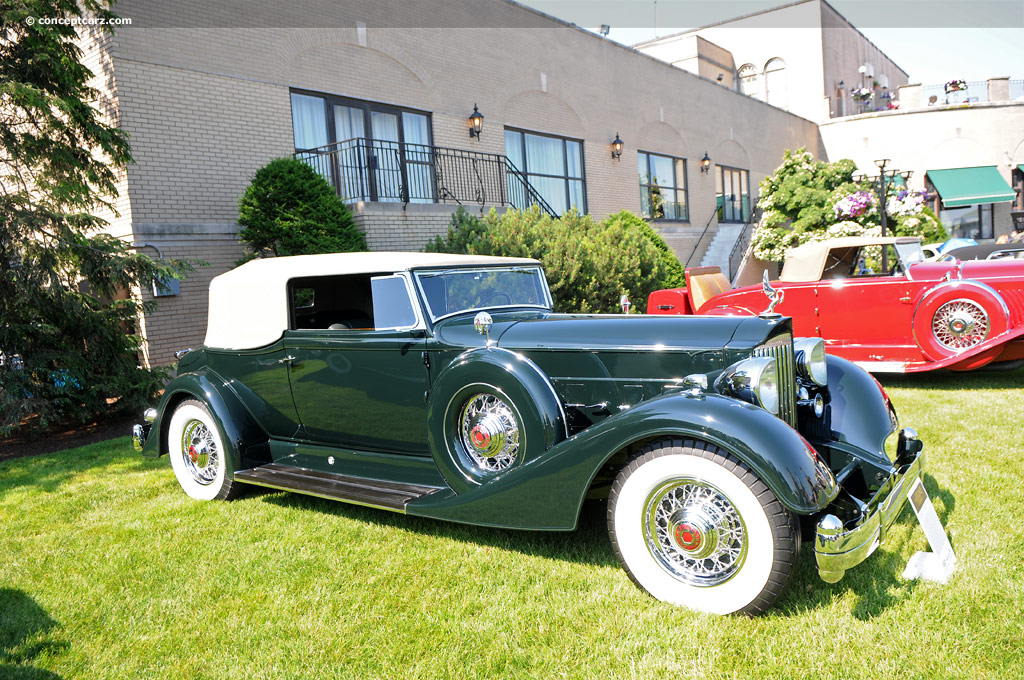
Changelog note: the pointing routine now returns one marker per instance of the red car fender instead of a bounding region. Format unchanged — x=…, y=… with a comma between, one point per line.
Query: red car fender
x=935, y=318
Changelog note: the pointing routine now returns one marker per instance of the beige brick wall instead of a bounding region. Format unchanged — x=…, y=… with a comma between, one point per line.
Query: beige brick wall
x=206, y=107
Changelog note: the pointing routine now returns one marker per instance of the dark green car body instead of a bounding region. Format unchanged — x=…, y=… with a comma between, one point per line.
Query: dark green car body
x=586, y=390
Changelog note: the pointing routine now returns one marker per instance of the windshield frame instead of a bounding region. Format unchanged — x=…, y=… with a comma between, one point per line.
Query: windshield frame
x=419, y=274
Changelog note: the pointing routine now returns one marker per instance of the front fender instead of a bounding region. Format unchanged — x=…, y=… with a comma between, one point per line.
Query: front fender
x=238, y=430
x=547, y=491
x=862, y=416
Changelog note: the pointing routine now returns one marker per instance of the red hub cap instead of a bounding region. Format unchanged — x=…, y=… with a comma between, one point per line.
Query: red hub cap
x=481, y=437
x=193, y=454
x=688, y=537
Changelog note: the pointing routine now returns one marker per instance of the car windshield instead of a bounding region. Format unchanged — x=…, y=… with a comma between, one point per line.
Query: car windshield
x=910, y=252
x=451, y=291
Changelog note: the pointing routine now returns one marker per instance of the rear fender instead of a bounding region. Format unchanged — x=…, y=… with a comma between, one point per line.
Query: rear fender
x=547, y=491
x=238, y=430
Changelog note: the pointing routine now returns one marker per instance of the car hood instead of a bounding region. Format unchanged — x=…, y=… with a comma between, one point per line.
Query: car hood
x=640, y=332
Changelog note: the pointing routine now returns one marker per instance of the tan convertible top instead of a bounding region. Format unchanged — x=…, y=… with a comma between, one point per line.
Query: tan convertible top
x=249, y=304
x=807, y=262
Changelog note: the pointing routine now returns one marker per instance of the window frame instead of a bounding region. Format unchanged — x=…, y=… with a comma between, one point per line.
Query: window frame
x=648, y=187
x=367, y=108
x=565, y=160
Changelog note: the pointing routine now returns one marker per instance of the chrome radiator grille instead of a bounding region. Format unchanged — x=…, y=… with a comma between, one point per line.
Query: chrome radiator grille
x=780, y=348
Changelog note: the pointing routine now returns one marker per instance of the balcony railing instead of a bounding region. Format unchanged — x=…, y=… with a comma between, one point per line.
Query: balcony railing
x=380, y=171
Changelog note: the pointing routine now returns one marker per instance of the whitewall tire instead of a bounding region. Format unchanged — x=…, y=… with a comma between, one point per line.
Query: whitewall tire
x=696, y=527
x=197, y=453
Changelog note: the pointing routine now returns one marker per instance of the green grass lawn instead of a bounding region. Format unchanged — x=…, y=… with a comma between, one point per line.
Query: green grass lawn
x=107, y=570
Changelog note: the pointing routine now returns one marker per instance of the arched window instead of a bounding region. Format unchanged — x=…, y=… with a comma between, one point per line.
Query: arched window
x=775, y=83
x=748, y=79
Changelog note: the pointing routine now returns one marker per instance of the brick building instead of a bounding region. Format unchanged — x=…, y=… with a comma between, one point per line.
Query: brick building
x=377, y=95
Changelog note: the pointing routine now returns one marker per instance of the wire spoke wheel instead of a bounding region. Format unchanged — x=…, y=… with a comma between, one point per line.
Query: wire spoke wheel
x=199, y=452
x=694, y=532
x=960, y=324
x=490, y=432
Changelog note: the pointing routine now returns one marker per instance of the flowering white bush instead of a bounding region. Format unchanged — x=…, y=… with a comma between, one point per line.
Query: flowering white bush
x=905, y=203
x=856, y=204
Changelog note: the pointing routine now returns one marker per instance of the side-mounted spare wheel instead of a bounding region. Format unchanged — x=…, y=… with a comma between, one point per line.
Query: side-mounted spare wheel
x=490, y=411
x=957, y=316
x=197, y=452
x=696, y=527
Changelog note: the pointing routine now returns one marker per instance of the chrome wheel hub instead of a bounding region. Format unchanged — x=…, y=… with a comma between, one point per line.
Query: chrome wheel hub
x=960, y=324
x=490, y=432
x=199, y=452
x=694, y=532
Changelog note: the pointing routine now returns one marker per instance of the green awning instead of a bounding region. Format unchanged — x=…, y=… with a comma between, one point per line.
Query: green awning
x=960, y=187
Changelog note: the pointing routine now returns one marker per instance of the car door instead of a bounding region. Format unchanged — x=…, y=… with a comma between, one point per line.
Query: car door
x=363, y=387
x=868, y=314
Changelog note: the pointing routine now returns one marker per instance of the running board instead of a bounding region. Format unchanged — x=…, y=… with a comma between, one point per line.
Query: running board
x=359, y=490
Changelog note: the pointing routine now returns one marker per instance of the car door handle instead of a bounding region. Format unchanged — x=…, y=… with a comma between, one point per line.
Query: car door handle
x=905, y=299
x=287, y=359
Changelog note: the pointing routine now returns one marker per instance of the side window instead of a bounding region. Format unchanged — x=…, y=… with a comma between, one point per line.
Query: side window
x=362, y=302
x=392, y=307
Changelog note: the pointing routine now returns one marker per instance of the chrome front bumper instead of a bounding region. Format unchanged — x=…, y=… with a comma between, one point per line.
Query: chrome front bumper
x=838, y=547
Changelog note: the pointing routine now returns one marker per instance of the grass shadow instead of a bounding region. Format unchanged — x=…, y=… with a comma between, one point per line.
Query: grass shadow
x=26, y=633
x=50, y=470
x=954, y=380
x=587, y=544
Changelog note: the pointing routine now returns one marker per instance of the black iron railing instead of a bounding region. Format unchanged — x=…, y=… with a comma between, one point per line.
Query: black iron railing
x=375, y=170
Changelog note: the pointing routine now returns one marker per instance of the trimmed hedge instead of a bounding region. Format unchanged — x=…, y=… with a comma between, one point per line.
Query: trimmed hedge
x=589, y=265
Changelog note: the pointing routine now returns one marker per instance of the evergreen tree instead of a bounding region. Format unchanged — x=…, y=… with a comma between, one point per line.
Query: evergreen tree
x=289, y=209
x=67, y=347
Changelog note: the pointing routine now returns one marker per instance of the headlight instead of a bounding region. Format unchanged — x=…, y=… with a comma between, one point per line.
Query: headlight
x=809, y=354
x=754, y=380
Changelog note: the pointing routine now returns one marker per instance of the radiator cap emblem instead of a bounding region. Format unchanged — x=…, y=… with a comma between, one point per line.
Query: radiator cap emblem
x=774, y=297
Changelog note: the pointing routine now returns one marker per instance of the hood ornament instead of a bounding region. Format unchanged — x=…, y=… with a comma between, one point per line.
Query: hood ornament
x=774, y=298
x=624, y=302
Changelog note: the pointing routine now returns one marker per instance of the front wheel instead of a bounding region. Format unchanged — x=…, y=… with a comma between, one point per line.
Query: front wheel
x=695, y=527
x=197, y=453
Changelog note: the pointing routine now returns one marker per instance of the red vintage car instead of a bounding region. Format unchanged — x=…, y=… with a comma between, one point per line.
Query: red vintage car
x=918, y=316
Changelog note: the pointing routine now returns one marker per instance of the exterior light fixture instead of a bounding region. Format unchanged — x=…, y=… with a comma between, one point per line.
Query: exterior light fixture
x=616, y=147
x=705, y=163
x=476, y=123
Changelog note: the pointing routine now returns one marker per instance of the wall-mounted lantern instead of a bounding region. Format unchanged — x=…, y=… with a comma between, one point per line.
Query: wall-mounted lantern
x=616, y=147
x=705, y=163
x=476, y=122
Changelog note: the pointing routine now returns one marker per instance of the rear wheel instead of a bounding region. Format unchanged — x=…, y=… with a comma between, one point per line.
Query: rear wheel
x=696, y=527
x=197, y=453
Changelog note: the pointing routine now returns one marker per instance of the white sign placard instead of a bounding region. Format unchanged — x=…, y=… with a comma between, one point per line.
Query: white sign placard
x=940, y=563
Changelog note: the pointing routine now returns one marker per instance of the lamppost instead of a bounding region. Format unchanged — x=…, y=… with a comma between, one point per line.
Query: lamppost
x=881, y=178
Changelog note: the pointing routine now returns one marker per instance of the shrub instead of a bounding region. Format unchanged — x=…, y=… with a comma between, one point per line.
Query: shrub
x=289, y=209
x=673, y=274
x=805, y=200
x=589, y=265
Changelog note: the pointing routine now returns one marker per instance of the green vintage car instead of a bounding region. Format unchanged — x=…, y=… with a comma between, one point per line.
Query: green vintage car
x=445, y=386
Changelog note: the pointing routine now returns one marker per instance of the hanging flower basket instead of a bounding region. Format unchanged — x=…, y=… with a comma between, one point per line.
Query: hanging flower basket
x=862, y=94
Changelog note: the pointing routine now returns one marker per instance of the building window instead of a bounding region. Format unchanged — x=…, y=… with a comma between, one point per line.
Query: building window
x=733, y=194
x=662, y=187
x=973, y=221
x=552, y=165
x=370, y=151
x=775, y=83
x=749, y=81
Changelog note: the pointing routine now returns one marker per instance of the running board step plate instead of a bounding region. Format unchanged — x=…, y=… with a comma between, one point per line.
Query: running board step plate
x=374, y=493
